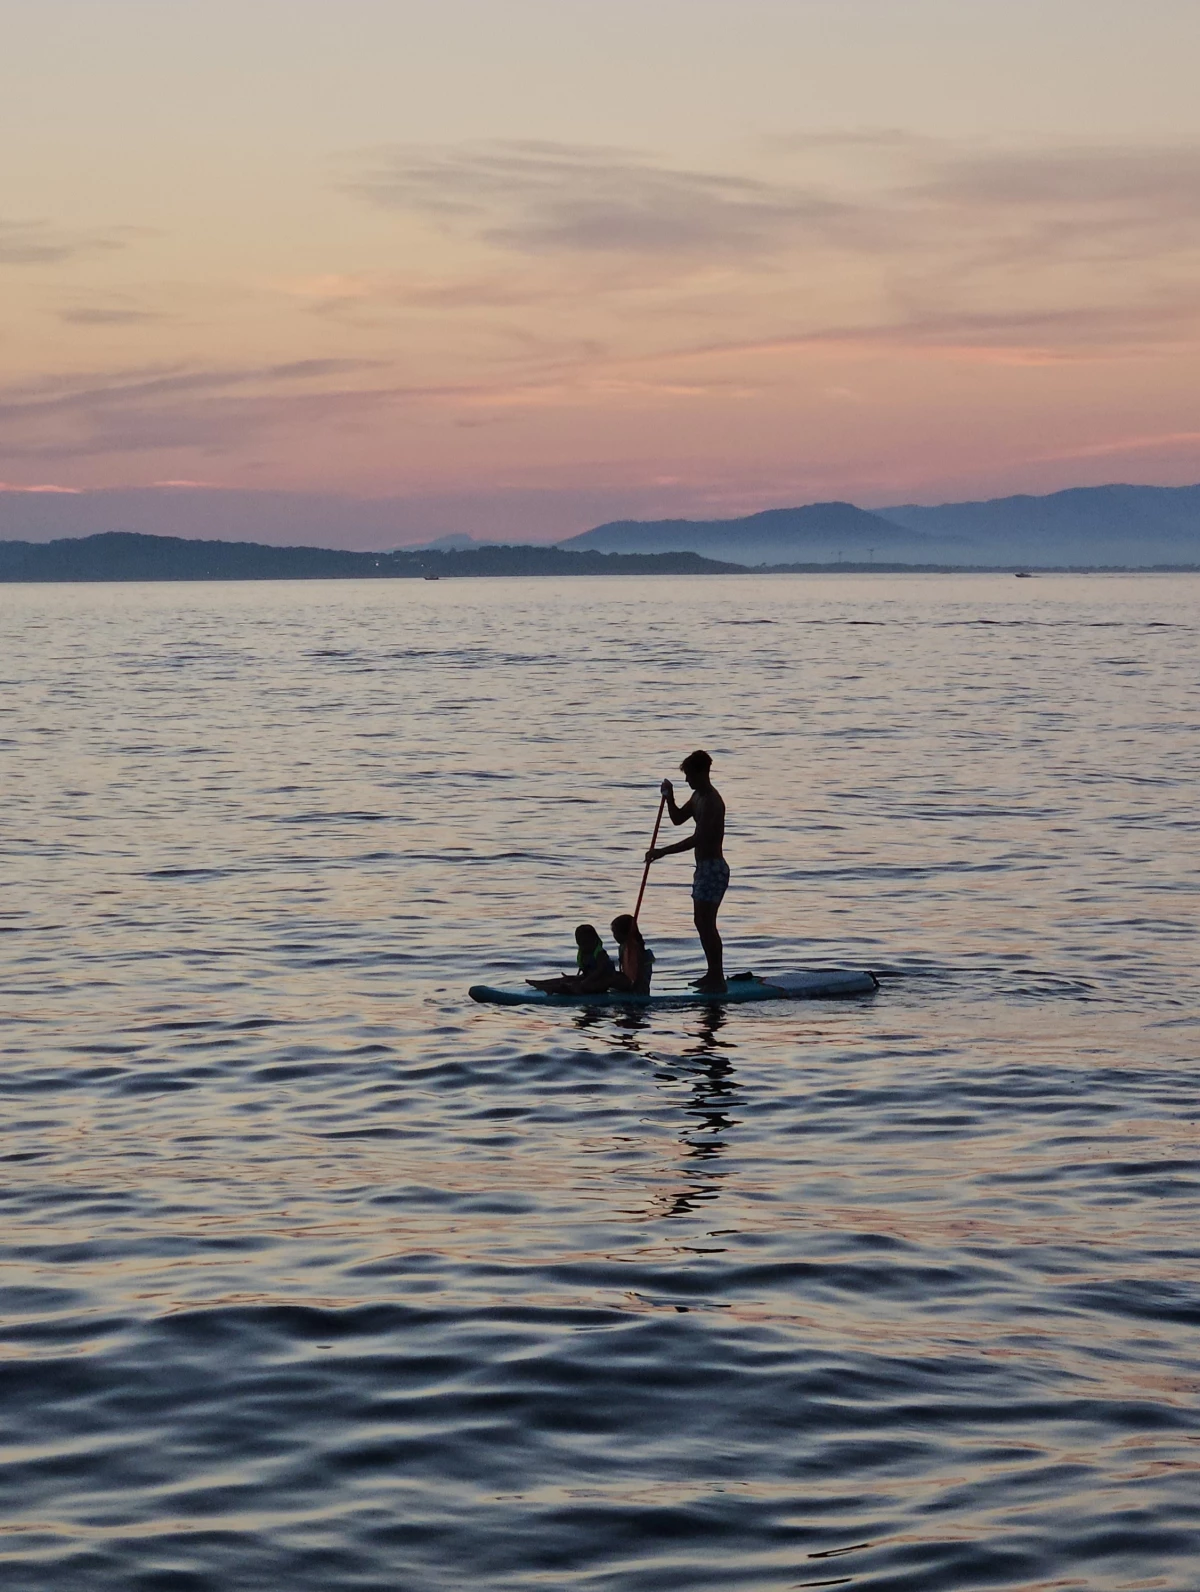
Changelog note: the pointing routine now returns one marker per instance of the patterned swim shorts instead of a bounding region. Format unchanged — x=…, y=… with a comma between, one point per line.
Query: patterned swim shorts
x=711, y=879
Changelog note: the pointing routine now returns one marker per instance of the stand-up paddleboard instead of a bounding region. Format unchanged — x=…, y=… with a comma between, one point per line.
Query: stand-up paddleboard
x=748, y=987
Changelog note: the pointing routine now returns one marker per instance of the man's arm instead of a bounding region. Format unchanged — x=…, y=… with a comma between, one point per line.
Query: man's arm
x=667, y=851
x=678, y=815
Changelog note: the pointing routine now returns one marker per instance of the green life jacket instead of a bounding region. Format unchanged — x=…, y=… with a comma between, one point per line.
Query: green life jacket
x=593, y=955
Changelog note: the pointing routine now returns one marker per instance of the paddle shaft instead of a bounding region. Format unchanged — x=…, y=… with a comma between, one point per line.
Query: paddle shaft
x=662, y=807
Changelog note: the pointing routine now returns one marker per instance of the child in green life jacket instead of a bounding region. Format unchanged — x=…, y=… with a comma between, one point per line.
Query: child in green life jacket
x=595, y=966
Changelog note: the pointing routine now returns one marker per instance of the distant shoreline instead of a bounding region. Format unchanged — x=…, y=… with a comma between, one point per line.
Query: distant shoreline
x=584, y=574
x=121, y=557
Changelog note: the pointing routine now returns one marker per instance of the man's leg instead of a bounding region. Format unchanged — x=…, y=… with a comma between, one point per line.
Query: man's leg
x=704, y=914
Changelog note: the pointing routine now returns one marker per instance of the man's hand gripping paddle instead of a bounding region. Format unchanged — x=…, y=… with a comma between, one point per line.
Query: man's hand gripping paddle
x=662, y=804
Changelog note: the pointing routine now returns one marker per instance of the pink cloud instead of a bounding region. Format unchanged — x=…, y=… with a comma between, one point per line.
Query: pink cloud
x=1101, y=450
x=70, y=491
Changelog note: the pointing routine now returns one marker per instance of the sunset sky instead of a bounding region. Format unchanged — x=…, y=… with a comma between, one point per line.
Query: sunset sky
x=565, y=260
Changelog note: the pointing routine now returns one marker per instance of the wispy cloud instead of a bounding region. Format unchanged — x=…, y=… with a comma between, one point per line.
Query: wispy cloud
x=144, y=410
x=1153, y=183
x=220, y=411
x=39, y=242
x=971, y=245
x=99, y=315
x=550, y=198
x=1161, y=442
x=861, y=192
x=1017, y=336
x=349, y=297
x=59, y=393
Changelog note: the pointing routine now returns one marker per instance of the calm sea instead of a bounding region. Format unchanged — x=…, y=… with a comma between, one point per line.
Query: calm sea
x=313, y=1275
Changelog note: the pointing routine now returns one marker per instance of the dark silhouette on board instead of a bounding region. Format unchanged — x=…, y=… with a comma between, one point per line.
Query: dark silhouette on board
x=636, y=959
x=595, y=968
x=711, y=879
x=596, y=973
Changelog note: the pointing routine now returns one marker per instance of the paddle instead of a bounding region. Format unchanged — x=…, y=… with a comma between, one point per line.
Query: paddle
x=662, y=805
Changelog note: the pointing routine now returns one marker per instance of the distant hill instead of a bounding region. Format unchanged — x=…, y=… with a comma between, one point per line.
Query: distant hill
x=1084, y=525
x=119, y=555
x=454, y=542
x=816, y=533
x=1126, y=526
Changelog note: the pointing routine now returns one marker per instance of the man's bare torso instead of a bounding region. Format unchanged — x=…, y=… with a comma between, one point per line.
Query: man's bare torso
x=708, y=811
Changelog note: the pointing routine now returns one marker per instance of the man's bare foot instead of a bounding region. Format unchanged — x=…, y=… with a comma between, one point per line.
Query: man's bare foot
x=710, y=986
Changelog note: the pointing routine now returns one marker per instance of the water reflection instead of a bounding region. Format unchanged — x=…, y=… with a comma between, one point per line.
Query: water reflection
x=713, y=1091
x=705, y=1066
x=627, y=1021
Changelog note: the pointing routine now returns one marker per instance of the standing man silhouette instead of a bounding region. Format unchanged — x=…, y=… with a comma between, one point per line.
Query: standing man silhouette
x=711, y=879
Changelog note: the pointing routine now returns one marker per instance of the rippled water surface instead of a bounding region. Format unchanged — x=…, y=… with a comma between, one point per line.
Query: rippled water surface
x=314, y=1275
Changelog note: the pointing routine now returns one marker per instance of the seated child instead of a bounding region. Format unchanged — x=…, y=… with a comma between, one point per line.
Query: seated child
x=636, y=958
x=594, y=963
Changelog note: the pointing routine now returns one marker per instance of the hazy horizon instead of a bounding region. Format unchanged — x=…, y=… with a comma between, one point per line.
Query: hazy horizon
x=298, y=519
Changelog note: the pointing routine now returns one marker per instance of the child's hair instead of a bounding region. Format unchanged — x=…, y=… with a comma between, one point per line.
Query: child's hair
x=585, y=934
x=696, y=763
x=624, y=926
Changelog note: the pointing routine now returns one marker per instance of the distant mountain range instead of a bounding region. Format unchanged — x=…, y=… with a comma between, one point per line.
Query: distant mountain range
x=1084, y=525
x=241, y=532
x=1124, y=526
x=820, y=531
